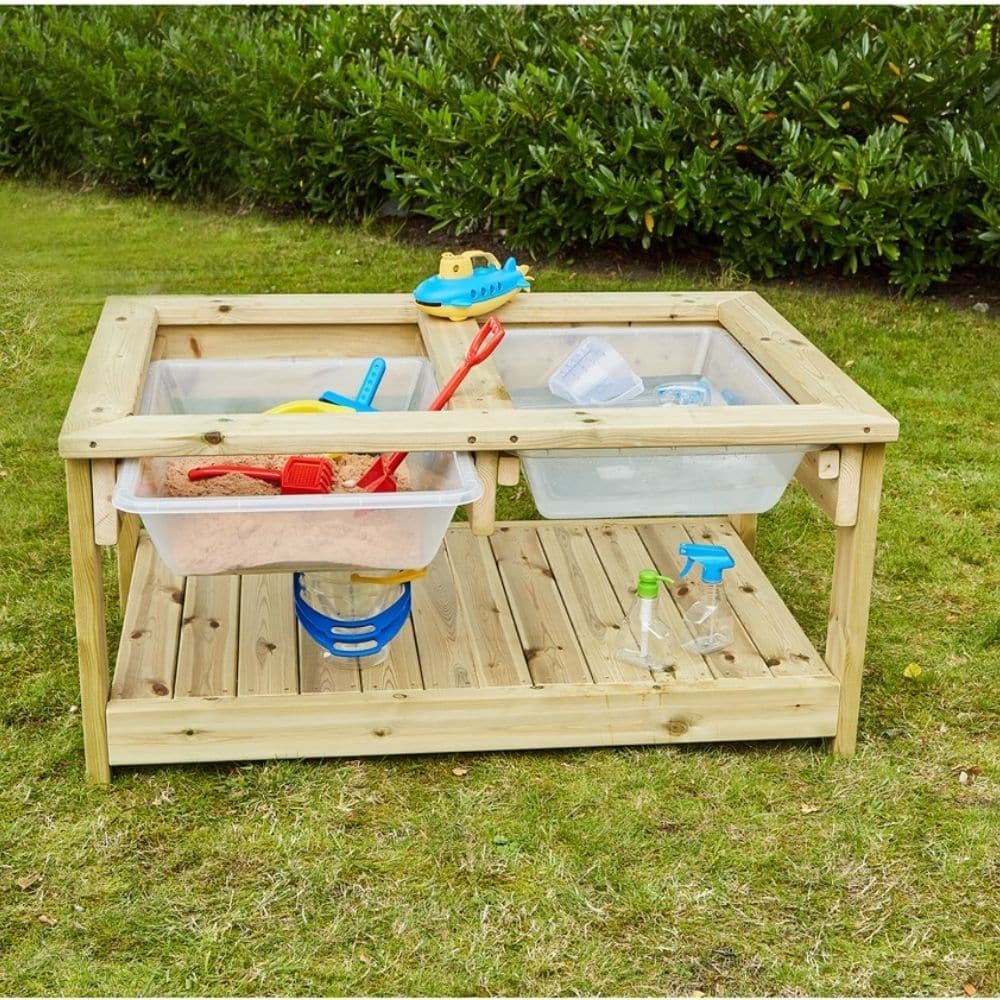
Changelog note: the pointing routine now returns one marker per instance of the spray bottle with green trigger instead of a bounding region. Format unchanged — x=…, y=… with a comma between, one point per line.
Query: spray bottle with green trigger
x=644, y=639
x=710, y=618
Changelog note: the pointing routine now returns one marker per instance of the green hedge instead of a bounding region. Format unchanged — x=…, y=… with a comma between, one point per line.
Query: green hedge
x=785, y=138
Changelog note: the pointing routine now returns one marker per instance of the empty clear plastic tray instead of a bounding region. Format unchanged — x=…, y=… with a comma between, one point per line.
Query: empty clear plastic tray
x=205, y=535
x=638, y=482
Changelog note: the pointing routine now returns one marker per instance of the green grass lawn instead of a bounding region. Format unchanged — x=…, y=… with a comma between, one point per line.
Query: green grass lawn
x=634, y=871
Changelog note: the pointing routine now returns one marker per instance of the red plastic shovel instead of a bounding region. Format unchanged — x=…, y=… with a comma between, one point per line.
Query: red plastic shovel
x=379, y=478
x=299, y=474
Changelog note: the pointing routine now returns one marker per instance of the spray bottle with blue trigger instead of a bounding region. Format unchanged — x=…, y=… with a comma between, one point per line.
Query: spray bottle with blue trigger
x=709, y=618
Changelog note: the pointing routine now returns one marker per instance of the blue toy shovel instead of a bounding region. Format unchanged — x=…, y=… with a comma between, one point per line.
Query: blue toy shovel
x=362, y=403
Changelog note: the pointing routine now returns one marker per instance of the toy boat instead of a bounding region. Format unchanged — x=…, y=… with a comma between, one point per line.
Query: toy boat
x=470, y=284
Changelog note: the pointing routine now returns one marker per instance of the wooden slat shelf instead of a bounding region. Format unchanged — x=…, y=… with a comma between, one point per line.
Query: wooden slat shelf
x=509, y=636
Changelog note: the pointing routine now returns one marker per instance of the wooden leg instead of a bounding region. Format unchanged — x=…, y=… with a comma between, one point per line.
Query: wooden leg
x=88, y=605
x=483, y=513
x=509, y=470
x=850, y=598
x=746, y=528
x=128, y=542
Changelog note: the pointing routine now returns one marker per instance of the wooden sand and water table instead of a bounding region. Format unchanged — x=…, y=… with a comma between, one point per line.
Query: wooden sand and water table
x=504, y=648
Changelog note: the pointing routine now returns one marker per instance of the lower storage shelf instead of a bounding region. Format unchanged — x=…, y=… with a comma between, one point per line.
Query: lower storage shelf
x=506, y=648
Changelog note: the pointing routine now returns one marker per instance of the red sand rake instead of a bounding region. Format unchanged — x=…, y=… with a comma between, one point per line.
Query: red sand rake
x=299, y=474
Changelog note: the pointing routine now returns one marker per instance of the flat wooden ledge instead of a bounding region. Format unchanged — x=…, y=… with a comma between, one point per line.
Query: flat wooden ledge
x=507, y=648
x=477, y=430
x=831, y=409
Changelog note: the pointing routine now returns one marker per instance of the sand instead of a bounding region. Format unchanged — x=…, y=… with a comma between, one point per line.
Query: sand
x=347, y=470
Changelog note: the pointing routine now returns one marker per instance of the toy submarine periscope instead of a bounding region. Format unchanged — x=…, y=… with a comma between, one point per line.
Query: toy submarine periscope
x=469, y=284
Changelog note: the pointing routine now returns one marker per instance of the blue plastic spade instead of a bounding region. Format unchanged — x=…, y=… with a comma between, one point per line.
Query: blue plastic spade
x=362, y=403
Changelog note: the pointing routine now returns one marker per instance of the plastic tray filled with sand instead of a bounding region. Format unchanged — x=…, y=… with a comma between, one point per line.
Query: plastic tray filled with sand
x=237, y=524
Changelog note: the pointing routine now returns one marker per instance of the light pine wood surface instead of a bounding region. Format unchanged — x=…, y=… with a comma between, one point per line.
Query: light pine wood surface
x=474, y=430
x=850, y=598
x=89, y=612
x=147, y=652
x=495, y=620
x=833, y=409
x=507, y=646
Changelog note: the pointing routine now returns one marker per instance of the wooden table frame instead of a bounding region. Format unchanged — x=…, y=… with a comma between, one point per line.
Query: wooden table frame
x=833, y=414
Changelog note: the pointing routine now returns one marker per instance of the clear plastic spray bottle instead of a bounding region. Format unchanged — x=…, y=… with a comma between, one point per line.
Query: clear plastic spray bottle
x=644, y=639
x=709, y=618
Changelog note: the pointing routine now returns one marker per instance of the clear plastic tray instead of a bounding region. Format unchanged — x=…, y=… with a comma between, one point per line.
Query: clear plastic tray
x=637, y=482
x=206, y=535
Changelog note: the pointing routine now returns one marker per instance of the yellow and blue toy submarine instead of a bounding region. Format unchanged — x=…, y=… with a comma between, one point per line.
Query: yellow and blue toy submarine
x=469, y=284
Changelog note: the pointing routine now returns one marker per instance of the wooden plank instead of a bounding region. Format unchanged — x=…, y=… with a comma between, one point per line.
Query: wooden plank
x=288, y=310
x=499, y=658
x=837, y=498
x=623, y=555
x=551, y=648
x=320, y=671
x=474, y=430
x=537, y=307
x=828, y=463
x=558, y=715
x=88, y=609
x=282, y=340
x=509, y=470
x=740, y=658
x=447, y=344
x=850, y=599
x=206, y=658
x=779, y=638
x=615, y=307
x=268, y=648
x=128, y=542
x=147, y=653
x=746, y=528
x=442, y=633
x=400, y=671
x=102, y=476
x=483, y=512
x=112, y=373
x=590, y=522
x=594, y=611
x=801, y=369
